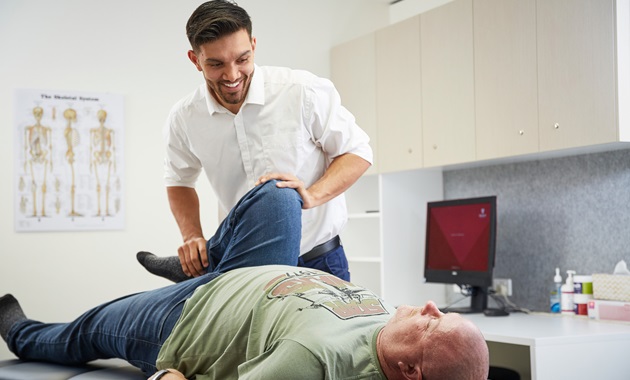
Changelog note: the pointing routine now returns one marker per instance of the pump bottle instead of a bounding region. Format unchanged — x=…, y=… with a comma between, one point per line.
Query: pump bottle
x=566, y=300
x=555, y=292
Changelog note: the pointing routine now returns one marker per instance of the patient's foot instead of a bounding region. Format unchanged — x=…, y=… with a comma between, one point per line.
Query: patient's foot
x=167, y=267
x=10, y=314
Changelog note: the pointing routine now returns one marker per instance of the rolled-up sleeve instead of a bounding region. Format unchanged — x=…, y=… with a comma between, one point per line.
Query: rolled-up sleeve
x=181, y=166
x=332, y=126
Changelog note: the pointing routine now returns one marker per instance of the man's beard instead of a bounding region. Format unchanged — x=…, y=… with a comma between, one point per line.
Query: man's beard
x=229, y=97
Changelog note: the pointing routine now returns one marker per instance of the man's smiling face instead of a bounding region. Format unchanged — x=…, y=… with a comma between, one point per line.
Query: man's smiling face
x=227, y=65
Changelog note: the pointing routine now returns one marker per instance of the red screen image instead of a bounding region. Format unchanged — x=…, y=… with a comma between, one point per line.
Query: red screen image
x=459, y=237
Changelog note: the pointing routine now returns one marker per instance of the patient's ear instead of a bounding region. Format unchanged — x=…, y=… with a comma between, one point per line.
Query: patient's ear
x=410, y=371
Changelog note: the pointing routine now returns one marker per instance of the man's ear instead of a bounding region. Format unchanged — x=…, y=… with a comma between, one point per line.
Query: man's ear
x=193, y=58
x=410, y=371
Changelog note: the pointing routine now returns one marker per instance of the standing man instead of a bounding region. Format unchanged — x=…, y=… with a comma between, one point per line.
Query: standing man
x=249, y=124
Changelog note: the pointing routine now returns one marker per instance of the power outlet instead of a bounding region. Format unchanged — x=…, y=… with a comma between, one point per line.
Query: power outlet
x=502, y=286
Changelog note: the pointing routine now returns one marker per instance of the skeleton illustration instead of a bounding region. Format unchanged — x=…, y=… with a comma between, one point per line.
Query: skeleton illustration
x=102, y=154
x=72, y=139
x=38, y=153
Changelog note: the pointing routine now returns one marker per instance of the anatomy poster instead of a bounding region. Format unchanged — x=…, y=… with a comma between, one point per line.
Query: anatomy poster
x=69, y=164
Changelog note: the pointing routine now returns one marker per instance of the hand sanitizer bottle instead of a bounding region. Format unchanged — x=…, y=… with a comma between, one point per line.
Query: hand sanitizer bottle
x=554, y=294
x=566, y=299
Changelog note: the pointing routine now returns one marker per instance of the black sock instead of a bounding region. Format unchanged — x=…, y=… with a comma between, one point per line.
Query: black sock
x=168, y=267
x=10, y=314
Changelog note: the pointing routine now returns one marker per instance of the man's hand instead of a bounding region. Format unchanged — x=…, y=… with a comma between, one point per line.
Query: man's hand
x=340, y=175
x=185, y=207
x=290, y=181
x=193, y=256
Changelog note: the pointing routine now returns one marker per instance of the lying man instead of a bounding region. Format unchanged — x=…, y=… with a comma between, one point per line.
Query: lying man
x=264, y=322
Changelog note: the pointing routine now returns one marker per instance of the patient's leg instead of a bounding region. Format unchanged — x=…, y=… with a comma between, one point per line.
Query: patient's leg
x=132, y=328
x=264, y=228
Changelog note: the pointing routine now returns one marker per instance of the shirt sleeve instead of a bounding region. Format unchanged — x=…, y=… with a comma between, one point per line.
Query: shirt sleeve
x=287, y=360
x=181, y=166
x=332, y=126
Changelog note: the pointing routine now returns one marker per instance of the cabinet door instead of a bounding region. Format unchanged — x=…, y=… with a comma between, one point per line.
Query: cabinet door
x=506, y=99
x=576, y=73
x=353, y=71
x=448, y=115
x=399, y=96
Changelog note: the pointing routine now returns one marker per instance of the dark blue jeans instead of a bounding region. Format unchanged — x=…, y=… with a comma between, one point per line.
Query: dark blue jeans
x=244, y=251
x=334, y=262
x=263, y=228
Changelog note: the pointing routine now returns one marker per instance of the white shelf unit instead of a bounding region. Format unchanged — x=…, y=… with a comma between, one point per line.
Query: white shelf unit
x=384, y=237
x=362, y=236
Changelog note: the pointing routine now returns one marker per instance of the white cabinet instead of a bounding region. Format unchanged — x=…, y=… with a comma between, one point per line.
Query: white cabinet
x=399, y=103
x=353, y=71
x=384, y=237
x=506, y=98
x=576, y=69
x=448, y=107
x=550, y=75
x=527, y=77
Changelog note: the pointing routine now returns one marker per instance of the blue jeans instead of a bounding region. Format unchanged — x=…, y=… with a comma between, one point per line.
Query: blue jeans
x=245, y=250
x=263, y=228
x=334, y=262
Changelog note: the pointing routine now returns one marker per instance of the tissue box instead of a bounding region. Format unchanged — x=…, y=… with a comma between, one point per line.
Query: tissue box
x=609, y=310
x=614, y=287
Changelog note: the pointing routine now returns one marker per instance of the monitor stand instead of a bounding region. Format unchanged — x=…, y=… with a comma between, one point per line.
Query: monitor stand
x=478, y=302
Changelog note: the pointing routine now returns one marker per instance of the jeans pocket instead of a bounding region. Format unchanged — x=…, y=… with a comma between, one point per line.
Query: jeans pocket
x=171, y=319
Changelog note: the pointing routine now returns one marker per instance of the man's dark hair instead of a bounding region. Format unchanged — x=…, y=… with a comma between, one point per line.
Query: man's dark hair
x=215, y=19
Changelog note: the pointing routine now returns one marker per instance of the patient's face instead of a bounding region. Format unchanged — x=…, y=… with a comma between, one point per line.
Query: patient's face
x=416, y=326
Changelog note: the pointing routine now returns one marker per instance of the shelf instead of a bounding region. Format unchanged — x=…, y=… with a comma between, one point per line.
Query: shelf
x=364, y=259
x=364, y=215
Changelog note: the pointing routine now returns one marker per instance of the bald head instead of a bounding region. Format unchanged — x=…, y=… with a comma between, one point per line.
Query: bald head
x=459, y=352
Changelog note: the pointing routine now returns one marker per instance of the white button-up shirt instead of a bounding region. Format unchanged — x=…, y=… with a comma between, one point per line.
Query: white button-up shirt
x=291, y=122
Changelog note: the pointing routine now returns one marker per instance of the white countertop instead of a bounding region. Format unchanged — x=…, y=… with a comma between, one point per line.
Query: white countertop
x=542, y=329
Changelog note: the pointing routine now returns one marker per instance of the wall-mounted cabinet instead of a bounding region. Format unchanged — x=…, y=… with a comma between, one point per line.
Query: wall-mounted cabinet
x=527, y=76
x=354, y=75
x=576, y=70
x=506, y=103
x=399, y=102
x=448, y=106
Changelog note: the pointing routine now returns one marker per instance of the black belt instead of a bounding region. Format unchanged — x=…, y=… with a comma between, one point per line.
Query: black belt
x=322, y=249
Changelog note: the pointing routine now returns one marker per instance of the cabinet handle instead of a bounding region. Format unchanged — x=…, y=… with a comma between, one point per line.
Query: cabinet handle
x=556, y=126
x=410, y=150
x=435, y=146
x=521, y=132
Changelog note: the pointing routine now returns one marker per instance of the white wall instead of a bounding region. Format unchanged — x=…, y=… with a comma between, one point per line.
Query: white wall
x=138, y=49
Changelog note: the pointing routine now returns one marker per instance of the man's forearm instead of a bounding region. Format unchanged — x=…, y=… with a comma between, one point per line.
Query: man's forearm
x=184, y=204
x=342, y=173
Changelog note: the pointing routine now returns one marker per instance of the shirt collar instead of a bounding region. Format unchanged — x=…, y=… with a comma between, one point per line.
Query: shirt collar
x=255, y=95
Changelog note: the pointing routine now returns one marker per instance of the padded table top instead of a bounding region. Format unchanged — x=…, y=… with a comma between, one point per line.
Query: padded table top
x=100, y=370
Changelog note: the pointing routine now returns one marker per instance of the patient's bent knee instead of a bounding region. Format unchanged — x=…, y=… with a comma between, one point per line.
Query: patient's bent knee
x=281, y=196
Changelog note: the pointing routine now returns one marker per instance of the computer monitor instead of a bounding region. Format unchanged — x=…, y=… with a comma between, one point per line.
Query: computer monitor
x=460, y=246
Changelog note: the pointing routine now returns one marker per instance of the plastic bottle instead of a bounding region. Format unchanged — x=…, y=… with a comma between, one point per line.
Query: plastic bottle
x=566, y=300
x=554, y=294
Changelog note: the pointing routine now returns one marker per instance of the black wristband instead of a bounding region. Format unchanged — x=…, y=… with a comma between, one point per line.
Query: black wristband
x=160, y=374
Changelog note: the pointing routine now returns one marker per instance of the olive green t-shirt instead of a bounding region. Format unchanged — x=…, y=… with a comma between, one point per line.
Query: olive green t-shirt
x=277, y=322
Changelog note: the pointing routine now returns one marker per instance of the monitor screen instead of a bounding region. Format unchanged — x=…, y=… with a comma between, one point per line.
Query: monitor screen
x=460, y=242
